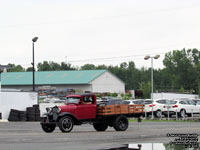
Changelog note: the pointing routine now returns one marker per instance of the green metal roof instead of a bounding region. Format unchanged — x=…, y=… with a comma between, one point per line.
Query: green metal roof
x=51, y=77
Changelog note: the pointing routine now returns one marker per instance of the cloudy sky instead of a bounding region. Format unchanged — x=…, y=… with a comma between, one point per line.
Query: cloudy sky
x=96, y=31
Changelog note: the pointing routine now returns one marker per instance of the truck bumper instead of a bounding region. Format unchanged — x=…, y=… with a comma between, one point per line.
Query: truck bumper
x=45, y=121
x=48, y=123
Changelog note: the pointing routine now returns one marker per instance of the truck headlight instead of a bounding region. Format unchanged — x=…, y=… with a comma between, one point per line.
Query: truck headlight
x=56, y=109
x=48, y=109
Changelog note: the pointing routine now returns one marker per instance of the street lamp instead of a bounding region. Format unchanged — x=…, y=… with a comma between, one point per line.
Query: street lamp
x=146, y=58
x=34, y=40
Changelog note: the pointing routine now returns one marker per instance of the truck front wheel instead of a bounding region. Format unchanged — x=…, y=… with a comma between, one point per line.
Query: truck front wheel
x=48, y=128
x=100, y=126
x=66, y=124
x=120, y=123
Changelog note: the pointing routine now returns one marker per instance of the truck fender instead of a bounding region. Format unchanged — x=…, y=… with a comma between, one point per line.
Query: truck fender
x=76, y=121
x=45, y=114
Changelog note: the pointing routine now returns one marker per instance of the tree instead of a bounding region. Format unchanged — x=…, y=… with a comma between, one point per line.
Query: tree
x=132, y=76
x=102, y=67
x=114, y=94
x=180, y=66
x=88, y=67
x=45, y=66
x=29, y=69
x=182, y=90
x=65, y=66
x=15, y=68
x=53, y=66
x=146, y=89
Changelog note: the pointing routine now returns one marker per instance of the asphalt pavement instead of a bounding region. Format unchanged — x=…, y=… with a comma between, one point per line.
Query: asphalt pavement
x=29, y=135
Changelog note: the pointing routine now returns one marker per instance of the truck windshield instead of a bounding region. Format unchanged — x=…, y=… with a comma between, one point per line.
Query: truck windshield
x=75, y=100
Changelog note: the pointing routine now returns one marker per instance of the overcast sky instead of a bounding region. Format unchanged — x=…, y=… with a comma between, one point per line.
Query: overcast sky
x=88, y=31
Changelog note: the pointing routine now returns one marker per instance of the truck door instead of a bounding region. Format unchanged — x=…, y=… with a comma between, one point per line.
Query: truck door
x=89, y=104
x=87, y=109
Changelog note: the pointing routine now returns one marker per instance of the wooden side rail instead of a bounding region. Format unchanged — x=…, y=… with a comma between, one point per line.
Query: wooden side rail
x=120, y=109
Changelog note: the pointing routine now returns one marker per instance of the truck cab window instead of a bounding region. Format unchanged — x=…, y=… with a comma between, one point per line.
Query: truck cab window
x=75, y=100
x=88, y=100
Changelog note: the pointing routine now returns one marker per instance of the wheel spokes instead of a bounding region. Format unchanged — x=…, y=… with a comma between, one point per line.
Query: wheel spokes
x=67, y=124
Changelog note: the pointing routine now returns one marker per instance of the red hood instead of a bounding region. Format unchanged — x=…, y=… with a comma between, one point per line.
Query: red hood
x=68, y=108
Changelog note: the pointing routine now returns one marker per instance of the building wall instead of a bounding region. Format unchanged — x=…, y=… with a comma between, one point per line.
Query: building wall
x=16, y=100
x=22, y=87
x=174, y=96
x=108, y=82
x=75, y=87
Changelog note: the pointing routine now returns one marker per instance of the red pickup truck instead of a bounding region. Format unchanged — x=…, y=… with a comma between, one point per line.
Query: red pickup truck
x=80, y=109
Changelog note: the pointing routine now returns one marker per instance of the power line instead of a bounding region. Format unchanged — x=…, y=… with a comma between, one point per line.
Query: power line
x=111, y=58
x=64, y=21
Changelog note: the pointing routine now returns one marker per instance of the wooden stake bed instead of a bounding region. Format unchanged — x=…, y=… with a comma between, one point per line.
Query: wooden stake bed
x=120, y=109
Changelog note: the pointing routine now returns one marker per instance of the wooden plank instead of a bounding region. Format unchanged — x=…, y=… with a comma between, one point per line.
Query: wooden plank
x=119, y=109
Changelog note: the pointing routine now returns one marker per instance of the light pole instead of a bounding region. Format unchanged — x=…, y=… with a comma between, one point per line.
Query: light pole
x=33, y=63
x=146, y=58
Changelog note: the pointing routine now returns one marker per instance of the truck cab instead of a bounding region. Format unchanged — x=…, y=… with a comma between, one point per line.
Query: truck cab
x=81, y=106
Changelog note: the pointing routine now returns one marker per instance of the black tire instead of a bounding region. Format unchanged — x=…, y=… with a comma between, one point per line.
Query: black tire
x=158, y=114
x=182, y=113
x=23, y=119
x=30, y=110
x=31, y=118
x=37, y=119
x=66, y=124
x=22, y=114
x=36, y=106
x=120, y=123
x=14, y=111
x=14, y=115
x=37, y=116
x=48, y=128
x=12, y=118
x=30, y=115
x=100, y=126
x=166, y=115
x=37, y=112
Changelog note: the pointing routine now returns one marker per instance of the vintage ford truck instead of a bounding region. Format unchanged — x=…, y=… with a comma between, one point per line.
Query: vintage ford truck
x=80, y=109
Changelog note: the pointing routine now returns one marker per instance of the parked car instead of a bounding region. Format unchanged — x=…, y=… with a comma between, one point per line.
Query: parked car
x=130, y=102
x=147, y=105
x=197, y=101
x=185, y=106
x=160, y=107
x=52, y=100
x=112, y=102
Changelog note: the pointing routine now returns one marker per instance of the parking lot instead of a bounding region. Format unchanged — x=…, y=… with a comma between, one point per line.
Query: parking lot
x=28, y=135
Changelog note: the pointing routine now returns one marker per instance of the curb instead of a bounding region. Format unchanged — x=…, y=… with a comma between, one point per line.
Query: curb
x=3, y=120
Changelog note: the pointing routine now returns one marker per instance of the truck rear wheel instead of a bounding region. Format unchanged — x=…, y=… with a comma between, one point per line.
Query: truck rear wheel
x=120, y=123
x=100, y=126
x=66, y=124
x=48, y=128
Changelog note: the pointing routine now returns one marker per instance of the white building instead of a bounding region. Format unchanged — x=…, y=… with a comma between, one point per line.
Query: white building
x=85, y=80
